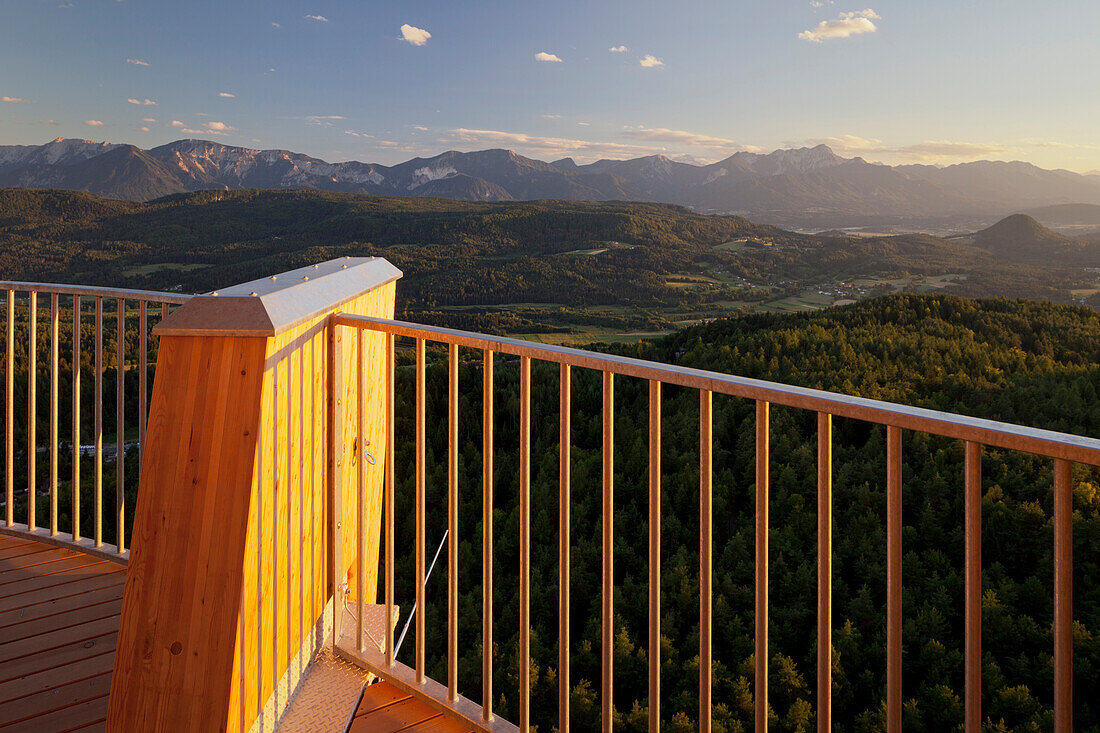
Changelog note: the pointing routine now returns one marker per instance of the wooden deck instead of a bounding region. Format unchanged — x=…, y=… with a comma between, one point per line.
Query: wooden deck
x=385, y=709
x=59, y=614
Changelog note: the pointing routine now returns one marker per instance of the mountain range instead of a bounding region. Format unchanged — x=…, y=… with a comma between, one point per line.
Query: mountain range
x=784, y=186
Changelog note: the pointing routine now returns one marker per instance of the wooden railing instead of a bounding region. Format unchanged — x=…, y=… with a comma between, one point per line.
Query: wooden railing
x=1062, y=449
x=66, y=317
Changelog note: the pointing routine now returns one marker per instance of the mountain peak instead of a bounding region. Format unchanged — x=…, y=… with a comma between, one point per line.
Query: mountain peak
x=1019, y=232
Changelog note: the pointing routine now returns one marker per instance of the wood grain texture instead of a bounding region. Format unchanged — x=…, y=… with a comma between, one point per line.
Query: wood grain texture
x=56, y=651
x=229, y=567
x=179, y=619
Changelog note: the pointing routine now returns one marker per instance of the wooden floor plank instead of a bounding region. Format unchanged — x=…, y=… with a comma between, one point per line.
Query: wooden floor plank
x=62, y=655
x=54, y=677
x=14, y=552
x=43, y=703
x=72, y=587
x=11, y=650
x=442, y=724
x=63, y=611
x=70, y=718
x=48, y=564
x=29, y=585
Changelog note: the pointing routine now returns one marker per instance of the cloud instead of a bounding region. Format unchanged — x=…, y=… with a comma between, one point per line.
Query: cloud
x=551, y=117
x=847, y=24
x=415, y=36
x=176, y=123
x=275, y=25
x=677, y=137
x=353, y=133
x=547, y=147
x=15, y=100
x=93, y=123
x=146, y=102
x=585, y=124
x=650, y=61
x=821, y=3
x=618, y=49
x=544, y=56
x=227, y=95
x=420, y=127
x=148, y=119
x=144, y=129
x=927, y=151
x=218, y=127
x=318, y=18
x=137, y=62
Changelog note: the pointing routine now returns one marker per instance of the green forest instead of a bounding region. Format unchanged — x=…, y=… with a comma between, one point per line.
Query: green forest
x=1032, y=363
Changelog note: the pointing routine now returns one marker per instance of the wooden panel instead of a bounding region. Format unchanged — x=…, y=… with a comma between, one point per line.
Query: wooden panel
x=249, y=417
x=179, y=618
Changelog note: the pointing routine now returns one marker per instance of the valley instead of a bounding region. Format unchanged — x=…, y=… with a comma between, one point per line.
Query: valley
x=559, y=271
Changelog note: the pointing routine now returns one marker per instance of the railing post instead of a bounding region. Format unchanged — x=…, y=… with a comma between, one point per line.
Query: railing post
x=211, y=632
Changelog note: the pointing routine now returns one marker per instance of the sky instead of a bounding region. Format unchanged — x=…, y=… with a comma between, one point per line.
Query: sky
x=934, y=81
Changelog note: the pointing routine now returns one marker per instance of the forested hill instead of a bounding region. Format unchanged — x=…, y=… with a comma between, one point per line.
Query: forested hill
x=1033, y=363
x=995, y=358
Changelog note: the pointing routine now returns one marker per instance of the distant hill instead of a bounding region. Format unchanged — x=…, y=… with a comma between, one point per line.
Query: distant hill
x=778, y=187
x=1022, y=235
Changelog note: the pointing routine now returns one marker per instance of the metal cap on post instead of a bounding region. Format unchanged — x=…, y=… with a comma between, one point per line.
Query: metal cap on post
x=272, y=305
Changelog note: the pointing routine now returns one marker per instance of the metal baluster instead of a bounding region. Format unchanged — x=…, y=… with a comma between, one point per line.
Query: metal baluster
x=973, y=636
x=893, y=579
x=32, y=410
x=97, y=502
x=487, y=537
x=608, y=600
x=421, y=460
x=143, y=366
x=564, y=446
x=452, y=523
x=654, y=555
x=762, y=451
x=1063, y=596
x=824, y=572
x=705, y=543
x=524, y=543
x=360, y=499
x=76, y=419
x=390, y=475
x=54, y=430
x=9, y=415
x=120, y=425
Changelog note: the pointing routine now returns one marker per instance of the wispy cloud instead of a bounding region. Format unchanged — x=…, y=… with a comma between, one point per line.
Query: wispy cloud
x=845, y=25
x=545, y=56
x=16, y=100
x=93, y=123
x=650, y=61
x=353, y=133
x=421, y=128
x=415, y=36
x=538, y=146
x=226, y=95
x=138, y=62
x=551, y=117
x=144, y=129
x=148, y=119
x=276, y=25
x=219, y=127
x=927, y=151
x=618, y=49
x=176, y=123
x=318, y=18
x=821, y=3
x=143, y=102
x=678, y=137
